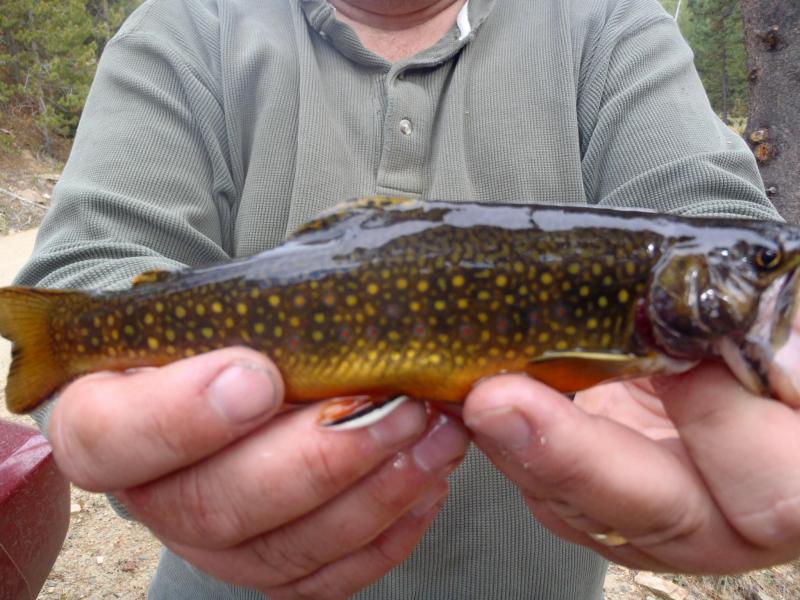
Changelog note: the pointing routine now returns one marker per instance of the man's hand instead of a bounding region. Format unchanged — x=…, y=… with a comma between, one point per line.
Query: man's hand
x=198, y=452
x=696, y=474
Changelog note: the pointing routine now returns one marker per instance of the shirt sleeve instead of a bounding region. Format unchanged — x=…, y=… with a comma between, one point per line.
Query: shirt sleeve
x=148, y=183
x=649, y=136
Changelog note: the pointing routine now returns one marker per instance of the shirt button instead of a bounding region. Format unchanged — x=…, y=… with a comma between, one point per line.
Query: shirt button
x=405, y=127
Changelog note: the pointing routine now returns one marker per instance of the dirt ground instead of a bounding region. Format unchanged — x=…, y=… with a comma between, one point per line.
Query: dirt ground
x=106, y=557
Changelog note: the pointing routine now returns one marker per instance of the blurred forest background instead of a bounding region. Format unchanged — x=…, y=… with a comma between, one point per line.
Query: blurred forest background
x=49, y=51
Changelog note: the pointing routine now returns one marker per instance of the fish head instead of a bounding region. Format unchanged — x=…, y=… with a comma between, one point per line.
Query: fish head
x=729, y=292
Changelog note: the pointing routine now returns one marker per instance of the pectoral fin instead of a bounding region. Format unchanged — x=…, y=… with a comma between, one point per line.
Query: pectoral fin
x=575, y=371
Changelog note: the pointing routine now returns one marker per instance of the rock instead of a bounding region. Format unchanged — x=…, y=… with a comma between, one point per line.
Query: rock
x=100, y=560
x=74, y=508
x=128, y=566
x=661, y=587
x=45, y=177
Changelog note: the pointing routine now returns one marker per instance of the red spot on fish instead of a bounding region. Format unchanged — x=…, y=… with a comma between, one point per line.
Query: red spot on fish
x=371, y=332
x=345, y=334
x=294, y=342
x=467, y=331
x=419, y=330
x=329, y=299
x=503, y=324
x=533, y=317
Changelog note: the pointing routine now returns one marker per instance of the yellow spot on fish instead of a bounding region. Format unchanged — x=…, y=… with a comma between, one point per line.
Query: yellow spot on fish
x=566, y=286
x=608, y=280
x=97, y=321
x=462, y=303
x=422, y=286
x=591, y=323
x=207, y=332
x=458, y=280
x=81, y=348
x=274, y=300
x=484, y=295
x=373, y=288
x=229, y=322
x=216, y=307
x=149, y=319
x=200, y=309
x=259, y=328
x=278, y=331
x=574, y=269
x=170, y=335
x=317, y=336
x=544, y=337
x=584, y=290
x=630, y=268
x=189, y=352
x=255, y=293
x=294, y=321
x=546, y=278
x=561, y=345
x=180, y=312
x=510, y=299
x=597, y=268
x=153, y=343
x=501, y=280
x=414, y=306
x=602, y=302
x=319, y=317
x=435, y=359
x=623, y=296
x=440, y=305
x=519, y=267
x=570, y=330
x=159, y=306
x=190, y=336
x=483, y=317
x=129, y=330
x=544, y=296
x=299, y=300
x=402, y=283
x=351, y=300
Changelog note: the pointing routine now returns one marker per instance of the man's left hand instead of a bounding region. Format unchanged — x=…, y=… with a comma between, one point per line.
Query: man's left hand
x=690, y=473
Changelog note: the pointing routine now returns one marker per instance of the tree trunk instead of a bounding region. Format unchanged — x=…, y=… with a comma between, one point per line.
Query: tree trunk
x=772, y=36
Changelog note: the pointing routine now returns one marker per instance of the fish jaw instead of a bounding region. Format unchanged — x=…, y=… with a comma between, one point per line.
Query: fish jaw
x=752, y=358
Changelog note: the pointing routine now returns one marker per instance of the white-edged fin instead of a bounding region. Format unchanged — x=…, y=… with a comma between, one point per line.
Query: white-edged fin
x=739, y=365
x=367, y=414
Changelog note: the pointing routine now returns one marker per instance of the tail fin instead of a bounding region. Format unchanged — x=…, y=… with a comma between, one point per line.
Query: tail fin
x=37, y=370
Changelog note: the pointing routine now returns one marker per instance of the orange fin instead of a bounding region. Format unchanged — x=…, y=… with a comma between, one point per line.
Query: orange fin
x=154, y=276
x=353, y=412
x=575, y=371
x=36, y=371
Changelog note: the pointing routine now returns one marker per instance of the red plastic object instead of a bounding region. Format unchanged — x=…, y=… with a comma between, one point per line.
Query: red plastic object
x=34, y=511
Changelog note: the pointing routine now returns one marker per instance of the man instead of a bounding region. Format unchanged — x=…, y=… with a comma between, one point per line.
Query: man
x=216, y=127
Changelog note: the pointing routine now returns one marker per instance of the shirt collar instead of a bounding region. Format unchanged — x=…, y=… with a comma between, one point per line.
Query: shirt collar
x=321, y=16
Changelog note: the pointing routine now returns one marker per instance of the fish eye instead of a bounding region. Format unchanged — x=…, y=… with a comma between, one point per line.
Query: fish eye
x=767, y=258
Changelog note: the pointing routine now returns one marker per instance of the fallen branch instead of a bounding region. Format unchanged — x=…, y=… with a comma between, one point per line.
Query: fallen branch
x=21, y=199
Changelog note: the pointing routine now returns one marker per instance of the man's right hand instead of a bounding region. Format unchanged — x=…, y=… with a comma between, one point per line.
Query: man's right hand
x=200, y=452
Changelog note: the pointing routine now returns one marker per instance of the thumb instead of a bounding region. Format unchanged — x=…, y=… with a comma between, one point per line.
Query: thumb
x=114, y=430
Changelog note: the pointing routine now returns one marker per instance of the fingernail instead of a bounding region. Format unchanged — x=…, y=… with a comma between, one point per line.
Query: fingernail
x=405, y=423
x=428, y=500
x=505, y=427
x=444, y=443
x=244, y=392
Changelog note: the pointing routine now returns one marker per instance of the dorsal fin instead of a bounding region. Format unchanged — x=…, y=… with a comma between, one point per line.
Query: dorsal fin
x=329, y=218
x=154, y=276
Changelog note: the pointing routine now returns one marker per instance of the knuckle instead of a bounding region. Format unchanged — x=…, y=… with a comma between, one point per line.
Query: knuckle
x=207, y=524
x=283, y=560
x=324, y=475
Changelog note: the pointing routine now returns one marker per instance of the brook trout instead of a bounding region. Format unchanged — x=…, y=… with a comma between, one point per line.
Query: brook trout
x=384, y=297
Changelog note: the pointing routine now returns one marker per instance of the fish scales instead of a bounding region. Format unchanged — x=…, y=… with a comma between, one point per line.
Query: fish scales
x=388, y=296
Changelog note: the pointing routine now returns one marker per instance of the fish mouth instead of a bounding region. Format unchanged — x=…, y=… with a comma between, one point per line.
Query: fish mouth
x=751, y=356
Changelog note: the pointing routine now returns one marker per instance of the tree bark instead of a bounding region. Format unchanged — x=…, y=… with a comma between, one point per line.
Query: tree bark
x=772, y=36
